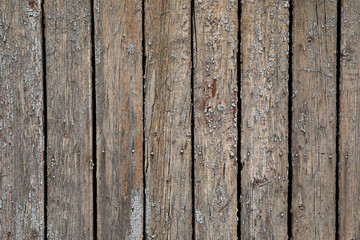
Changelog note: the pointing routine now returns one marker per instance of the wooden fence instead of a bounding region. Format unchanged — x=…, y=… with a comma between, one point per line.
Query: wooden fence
x=179, y=119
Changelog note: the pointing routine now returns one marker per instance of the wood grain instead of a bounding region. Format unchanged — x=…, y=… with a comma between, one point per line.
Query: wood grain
x=168, y=119
x=314, y=119
x=118, y=48
x=264, y=119
x=215, y=95
x=21, y=121
x=69, y=104
x=349, y=138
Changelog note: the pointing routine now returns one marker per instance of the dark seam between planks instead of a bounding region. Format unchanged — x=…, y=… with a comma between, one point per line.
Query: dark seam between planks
x=238, y=214
x=143, y=115
x=193, y=38
x=290, y=105
x=94, y=152
x=338, y=46
x=43, y=51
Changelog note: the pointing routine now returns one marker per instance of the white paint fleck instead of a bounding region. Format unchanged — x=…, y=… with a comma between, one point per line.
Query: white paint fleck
x=136, y=216
x=199, y=217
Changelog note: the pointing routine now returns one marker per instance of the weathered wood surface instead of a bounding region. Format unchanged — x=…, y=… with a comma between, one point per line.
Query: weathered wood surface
x=191, y=177
x=168, y=161
x=314, y=119
x=215, y=29
x=21, y=121
x=349, y=134
x=118, y=48
x=69, y=118
x=264, y=119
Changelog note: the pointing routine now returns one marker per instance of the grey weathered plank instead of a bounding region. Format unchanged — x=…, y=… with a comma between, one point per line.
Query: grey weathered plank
x=69, y=90
x=118, y=43
x=264, y=119
x=349, y=141
x=215, y=96
x=314, y=119
x=168, y=119
x=21, y=121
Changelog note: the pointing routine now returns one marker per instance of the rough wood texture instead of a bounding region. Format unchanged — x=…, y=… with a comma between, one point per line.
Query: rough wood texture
x=118, y=43
x=168, y=119
x=314, y=119
x=69, y=152
x=21, y=121
x=349, y=138
x=264, y=119
x=215, y=95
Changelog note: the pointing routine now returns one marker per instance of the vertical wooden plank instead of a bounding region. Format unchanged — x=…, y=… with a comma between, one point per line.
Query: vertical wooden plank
x=215, y=32
x=314, y=119
x=21, y=121
x=168, y=119
x=264, y=123
x=69, y=153
x=118, y=43
x=349, y=138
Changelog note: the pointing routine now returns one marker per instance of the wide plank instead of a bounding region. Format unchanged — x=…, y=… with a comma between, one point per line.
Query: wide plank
x=215, y=36
x=264, y=119
x=313, y=127
x=21, y=121
x=119, y=118
x=168, y=146
x=349, y=120
x=69, y=118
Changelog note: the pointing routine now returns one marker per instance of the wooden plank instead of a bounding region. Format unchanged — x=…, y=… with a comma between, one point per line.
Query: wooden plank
x=264, y=119
x=21, y=121
x=349, y=137
x=118, y=43
x=168, y=119
x=216, y=136
x=314, y=119
x=69, y=90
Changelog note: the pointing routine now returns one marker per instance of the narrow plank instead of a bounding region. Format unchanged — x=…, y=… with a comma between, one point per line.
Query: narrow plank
x=215, y=96
x=21, y=121
x=168, y=119
x=349, y=137
x=264, y=119
x=118, y=43
x=314, y=119
x=69, y=153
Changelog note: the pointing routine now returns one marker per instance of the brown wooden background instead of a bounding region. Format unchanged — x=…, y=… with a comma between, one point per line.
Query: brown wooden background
x=179, y=119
